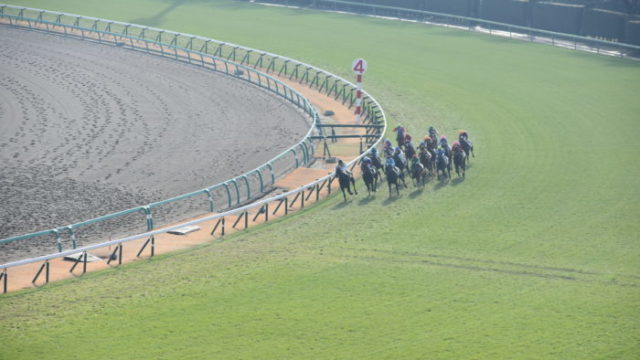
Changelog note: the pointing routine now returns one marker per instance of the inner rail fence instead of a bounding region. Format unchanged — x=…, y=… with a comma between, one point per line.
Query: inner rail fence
x=571, y=41
x=231, y=197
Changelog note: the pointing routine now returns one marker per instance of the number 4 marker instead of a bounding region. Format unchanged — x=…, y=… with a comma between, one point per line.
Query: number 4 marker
x=359, y=66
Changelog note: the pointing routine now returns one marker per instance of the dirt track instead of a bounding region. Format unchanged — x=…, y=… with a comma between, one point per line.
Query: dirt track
x=88, y=129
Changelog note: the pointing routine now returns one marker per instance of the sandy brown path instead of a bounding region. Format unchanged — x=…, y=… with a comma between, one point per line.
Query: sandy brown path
x=88, y=129
x=21, y=277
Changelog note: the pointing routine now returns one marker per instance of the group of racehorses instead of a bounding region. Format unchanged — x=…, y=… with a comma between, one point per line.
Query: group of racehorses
x=433, y=156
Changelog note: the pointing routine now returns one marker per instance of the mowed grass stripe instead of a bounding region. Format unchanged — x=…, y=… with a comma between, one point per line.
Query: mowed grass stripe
x=534, y=255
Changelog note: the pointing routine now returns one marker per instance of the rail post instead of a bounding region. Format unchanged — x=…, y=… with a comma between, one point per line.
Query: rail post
x=4, y=277
x=58, y=239
x=72, y=234
x=210, y=199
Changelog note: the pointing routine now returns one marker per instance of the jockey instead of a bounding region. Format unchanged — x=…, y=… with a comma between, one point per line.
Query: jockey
x=400, y=158
x=400, y=130
x=366, y=160
x=341, y=169
x=455, y=146
x=344, y=176
x=409, y=150
x=433, y=133
x=388, y=147
x=374, y=155
x=401, y=134
x=444, y=142
x=390, y=162
x=462, y=134
x=414, y=160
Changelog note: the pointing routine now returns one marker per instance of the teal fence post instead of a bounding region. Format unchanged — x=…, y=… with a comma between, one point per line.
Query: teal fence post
x=226, y=188
x=305, y=155
x=235, y=184
x=258, y=171
x=295, y=156
x=246, y=181
x=210, y=198
x=149, y=216
x=58, y=241
x=273, y=176
x=72, y=234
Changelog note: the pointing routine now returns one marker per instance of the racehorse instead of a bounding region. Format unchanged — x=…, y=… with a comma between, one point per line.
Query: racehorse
x=467, y=146
x=459, y=161
x=345, y=179
x=426, y=159
x=433, y=133
x=431, y=144
x=418, y=172
x=400, y=160
x=400, y=137
x=393, y=174
x=409, y=150
x=442, y=164
x=370, y=176
x=444, y=145
x=376, y=161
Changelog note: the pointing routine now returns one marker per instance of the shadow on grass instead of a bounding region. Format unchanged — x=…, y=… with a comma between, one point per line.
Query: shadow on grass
x=457, y=181
x=343, y=204
x=391, y=199
x=417, y=192
x=441, y=183
x=367, y=200
x=160, y=17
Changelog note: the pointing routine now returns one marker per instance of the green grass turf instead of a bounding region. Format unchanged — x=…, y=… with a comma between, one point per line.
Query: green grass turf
x=534, y=255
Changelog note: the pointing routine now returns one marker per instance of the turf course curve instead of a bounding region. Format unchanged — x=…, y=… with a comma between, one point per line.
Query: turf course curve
x=534, y=255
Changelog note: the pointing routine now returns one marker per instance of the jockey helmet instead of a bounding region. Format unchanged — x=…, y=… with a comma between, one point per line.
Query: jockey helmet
x=407, y=137
x=366, y=160
x=443, y=137
x=427, y=138
x=374, y=151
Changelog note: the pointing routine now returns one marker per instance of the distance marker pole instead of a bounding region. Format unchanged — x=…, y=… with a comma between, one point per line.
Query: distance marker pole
x=359, y=67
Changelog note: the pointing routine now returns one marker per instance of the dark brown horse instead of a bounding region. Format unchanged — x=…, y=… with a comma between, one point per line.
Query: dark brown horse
x=370, y=176
x=459, y=161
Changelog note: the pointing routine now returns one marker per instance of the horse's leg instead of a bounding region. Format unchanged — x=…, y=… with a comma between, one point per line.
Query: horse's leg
x=389, y=182
x=344, y=194
x=353, y=181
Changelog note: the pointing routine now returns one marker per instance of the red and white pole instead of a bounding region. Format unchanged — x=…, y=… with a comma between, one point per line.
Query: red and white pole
x=359, y=67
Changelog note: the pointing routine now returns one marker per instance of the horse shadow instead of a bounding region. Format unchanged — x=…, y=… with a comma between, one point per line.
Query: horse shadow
x=342, y=204
x=457, y=181
x=441, y=183
x=366, y=200
x=417, y=192
x=391, y=199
